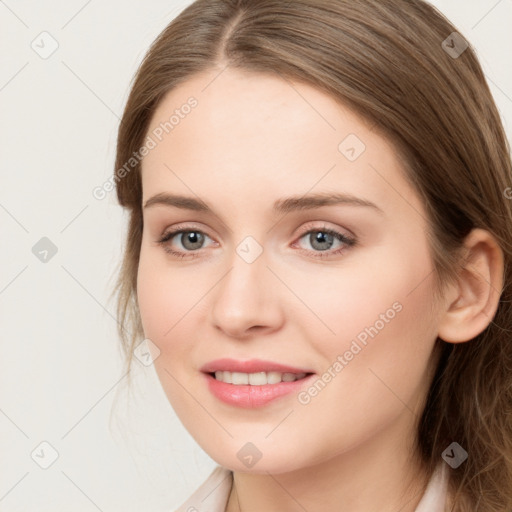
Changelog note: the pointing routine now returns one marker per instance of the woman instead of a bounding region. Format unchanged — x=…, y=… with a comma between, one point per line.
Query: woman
x=319, y=253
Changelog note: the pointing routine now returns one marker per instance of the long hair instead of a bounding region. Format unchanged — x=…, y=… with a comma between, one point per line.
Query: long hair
x=396, y=64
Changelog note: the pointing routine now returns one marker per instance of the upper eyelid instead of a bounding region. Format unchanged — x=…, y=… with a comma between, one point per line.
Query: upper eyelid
x=309, y=227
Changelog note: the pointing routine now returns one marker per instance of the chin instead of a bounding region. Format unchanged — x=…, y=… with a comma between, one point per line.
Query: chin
x=262, y=461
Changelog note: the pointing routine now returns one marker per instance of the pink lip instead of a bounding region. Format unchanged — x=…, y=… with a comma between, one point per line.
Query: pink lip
x=251, y=366
x=249, y=396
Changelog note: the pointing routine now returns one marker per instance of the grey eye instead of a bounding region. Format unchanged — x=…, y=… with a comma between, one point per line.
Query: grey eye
x=191, y=240
x=321, y=240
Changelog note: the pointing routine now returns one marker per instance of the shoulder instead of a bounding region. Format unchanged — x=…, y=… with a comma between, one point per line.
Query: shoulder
x=212, y=495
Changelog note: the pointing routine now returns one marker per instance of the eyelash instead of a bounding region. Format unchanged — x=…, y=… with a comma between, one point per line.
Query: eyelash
x=346, y=240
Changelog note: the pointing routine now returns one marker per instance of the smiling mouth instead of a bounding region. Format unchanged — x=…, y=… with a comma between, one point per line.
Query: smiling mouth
x=256, y=379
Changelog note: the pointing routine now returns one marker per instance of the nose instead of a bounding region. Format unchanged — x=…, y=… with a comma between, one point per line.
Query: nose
x=246, y=301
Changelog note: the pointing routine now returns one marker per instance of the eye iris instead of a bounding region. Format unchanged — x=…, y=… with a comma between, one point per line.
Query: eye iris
x=196, y=239
x=324, y=239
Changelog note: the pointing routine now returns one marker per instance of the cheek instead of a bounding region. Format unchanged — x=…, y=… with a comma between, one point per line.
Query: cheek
x=384, y=333
x=163, y=296
x=383, y=290
x=376, y=314
x=383, y=369
x=173, y=305
x=152, y=299
x=169, y=306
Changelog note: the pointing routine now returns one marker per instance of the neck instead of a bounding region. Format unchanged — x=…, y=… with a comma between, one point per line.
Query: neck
x=376, y=475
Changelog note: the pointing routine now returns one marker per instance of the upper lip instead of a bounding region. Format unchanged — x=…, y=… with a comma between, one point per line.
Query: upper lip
x=250, y=366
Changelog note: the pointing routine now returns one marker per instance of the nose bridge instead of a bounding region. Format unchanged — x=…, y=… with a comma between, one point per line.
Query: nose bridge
x=244, y=297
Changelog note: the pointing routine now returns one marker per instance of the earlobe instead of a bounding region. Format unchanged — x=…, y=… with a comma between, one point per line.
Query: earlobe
x=477, y=291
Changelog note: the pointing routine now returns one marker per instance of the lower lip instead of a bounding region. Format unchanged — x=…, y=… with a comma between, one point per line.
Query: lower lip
x=248, y=396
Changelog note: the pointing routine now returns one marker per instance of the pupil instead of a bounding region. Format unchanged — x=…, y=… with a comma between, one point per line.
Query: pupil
x=191, y=240
x=324, y=239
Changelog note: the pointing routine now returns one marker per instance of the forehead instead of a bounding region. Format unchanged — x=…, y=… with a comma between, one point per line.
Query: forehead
x=257, y=135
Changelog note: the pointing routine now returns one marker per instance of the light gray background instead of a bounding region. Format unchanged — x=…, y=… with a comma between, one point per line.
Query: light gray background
x=60, y=368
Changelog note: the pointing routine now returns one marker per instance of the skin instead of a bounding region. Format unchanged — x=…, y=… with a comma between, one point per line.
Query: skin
x=253, y=139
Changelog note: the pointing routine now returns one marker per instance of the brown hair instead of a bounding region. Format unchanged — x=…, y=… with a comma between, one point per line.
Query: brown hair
x=386, y=60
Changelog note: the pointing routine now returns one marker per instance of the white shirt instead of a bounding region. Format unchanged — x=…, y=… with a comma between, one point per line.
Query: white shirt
x=213, y=494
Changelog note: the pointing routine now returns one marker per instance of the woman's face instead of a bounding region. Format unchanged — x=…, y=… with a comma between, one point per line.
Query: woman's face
x=283, y=261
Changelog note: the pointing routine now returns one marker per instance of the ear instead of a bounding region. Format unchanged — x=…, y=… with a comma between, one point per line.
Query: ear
x=473, y=300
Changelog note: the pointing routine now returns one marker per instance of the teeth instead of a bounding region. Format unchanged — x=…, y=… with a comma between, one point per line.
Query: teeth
x=257, y=379
x=239, y=378
x=274, y=377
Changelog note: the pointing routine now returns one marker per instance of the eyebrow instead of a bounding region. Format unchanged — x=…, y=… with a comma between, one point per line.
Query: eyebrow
x=285, y=205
